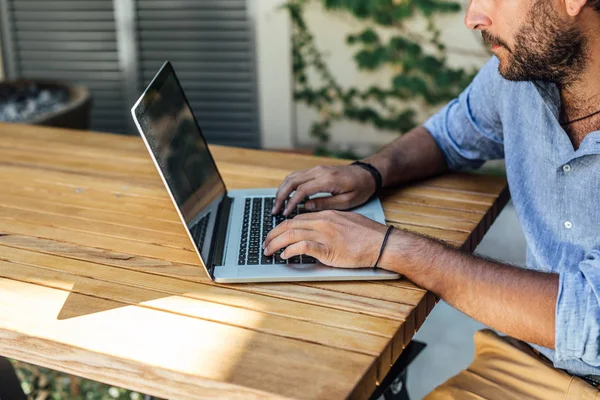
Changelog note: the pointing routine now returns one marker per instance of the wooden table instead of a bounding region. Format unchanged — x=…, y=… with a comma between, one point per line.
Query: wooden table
x=98, y=278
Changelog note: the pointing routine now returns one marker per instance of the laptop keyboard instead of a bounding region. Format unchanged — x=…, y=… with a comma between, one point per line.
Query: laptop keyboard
x=199, y=230
x=256, y=225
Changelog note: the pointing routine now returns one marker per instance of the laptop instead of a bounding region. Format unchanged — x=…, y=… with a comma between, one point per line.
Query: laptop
x=227, y=227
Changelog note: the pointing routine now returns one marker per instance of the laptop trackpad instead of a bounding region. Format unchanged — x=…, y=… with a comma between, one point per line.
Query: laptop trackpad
x=367, y=214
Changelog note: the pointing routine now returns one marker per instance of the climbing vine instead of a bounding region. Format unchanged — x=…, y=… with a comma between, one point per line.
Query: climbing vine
x=419, y=62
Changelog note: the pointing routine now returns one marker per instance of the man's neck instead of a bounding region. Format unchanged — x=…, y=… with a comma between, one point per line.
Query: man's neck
x=582, y=96
x=580, y=107
x=579, y=130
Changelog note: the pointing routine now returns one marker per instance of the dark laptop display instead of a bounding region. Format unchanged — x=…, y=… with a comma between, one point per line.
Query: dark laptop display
x=181, y=151
x=179, y=146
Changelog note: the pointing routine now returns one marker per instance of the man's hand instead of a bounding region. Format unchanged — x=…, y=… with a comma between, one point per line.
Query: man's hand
x=337, y=239
x=350, y=186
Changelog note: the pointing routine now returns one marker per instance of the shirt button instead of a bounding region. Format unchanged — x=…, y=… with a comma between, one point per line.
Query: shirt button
x=568, y=224
x=566, y=168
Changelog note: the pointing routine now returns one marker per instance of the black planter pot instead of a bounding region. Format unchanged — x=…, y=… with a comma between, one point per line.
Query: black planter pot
x=73, y=111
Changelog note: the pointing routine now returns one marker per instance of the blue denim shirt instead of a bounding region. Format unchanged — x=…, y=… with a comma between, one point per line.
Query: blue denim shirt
x=555, y=191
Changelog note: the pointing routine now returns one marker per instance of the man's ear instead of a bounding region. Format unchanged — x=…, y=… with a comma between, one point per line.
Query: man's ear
x=574, y=7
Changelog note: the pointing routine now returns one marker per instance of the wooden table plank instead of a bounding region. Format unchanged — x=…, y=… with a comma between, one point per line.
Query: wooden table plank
x=100, y=242
x=130, y=146
x=321, y=313
x=88, y=233
x=429, y=221
x=168, y=268
x=97, y=227
x=75, y=198
x=129, y=333
x=80, y=181
x=413, y=209
x=371, y=290
x=362, y=343
x=27, y=203
x=441, y=204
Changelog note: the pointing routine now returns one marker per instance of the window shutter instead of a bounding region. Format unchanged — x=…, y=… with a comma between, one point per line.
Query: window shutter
x=210, y=43
x=71, y=41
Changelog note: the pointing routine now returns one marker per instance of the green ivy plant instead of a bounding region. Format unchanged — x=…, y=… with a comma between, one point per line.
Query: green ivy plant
x=419, y=62
x=45, y=384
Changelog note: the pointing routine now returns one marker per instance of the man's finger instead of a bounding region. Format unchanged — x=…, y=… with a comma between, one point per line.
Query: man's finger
x=335, y=202
x=289, y=238
x=313, y=249
x=289, y=184
x=307, y=189
x=287, y=225
x=319, y=215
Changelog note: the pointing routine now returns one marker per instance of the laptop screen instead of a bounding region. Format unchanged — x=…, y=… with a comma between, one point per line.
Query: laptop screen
x=179, y=148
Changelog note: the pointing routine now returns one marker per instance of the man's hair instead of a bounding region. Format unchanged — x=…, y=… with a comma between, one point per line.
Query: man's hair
x=595, y=4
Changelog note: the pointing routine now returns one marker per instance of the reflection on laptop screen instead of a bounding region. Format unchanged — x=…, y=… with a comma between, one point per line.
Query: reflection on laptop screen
x=179, y=147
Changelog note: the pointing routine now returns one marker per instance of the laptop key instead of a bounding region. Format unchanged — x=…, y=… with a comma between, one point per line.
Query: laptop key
x=294, y=260
x=308, y=259
x=278, y=259
x=266, y=260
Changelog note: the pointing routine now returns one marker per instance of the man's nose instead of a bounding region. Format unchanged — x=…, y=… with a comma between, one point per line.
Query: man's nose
x=477, y=17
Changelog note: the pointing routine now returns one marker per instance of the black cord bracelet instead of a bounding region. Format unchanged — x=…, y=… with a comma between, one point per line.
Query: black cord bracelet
x=385, y=239
x=374, y=172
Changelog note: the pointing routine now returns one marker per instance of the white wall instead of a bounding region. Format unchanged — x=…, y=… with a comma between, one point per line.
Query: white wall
x=286, y=124
x=1, y=62
x=274, y=70
x=330, y=30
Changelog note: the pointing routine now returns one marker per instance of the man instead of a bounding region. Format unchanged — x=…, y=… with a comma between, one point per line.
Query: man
x=537, y=105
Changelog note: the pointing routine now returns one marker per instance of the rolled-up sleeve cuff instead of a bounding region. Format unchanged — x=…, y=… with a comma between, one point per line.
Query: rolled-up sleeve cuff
x=578, y=315
x=437, y=126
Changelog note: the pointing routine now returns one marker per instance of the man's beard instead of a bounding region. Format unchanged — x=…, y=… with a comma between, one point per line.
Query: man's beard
x=546, y=49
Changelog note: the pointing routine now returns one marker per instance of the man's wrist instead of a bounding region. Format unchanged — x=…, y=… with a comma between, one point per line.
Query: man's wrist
x=375, y=175
x=393, y=255
x=404, y=252
x=420, y=259
x=381, y=165
x=384, y=241
x=366, y=179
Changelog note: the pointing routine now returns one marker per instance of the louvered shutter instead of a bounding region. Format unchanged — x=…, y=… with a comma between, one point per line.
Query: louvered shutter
x=210, y=45
x=71, y=41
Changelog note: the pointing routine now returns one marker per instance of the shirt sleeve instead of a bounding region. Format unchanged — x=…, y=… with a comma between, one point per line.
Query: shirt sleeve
x=578, y=314
x=468, y=130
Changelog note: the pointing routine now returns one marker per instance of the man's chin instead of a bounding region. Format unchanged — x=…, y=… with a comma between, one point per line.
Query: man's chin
x=507, y=70
x=503, y=65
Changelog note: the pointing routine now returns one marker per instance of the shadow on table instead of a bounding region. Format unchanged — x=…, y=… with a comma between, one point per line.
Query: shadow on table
x=75, y=293
x=91, y=287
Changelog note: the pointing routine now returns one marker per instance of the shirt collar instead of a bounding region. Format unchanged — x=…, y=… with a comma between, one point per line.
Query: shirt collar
x=550, y=94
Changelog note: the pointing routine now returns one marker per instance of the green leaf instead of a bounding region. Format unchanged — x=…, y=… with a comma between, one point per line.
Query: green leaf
x=369, y=36
x=424, y=76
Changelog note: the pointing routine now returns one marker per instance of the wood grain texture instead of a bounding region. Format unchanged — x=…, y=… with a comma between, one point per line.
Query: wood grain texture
x=98, y=277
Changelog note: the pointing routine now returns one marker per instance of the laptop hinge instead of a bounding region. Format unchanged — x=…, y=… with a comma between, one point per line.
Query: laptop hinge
x=220, y=234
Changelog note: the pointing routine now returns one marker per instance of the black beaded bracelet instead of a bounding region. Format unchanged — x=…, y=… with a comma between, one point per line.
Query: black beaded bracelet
x=385, y=239
x=373, y=171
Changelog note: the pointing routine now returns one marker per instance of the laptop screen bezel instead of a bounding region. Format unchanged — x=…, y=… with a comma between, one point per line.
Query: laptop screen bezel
x=140, y=106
